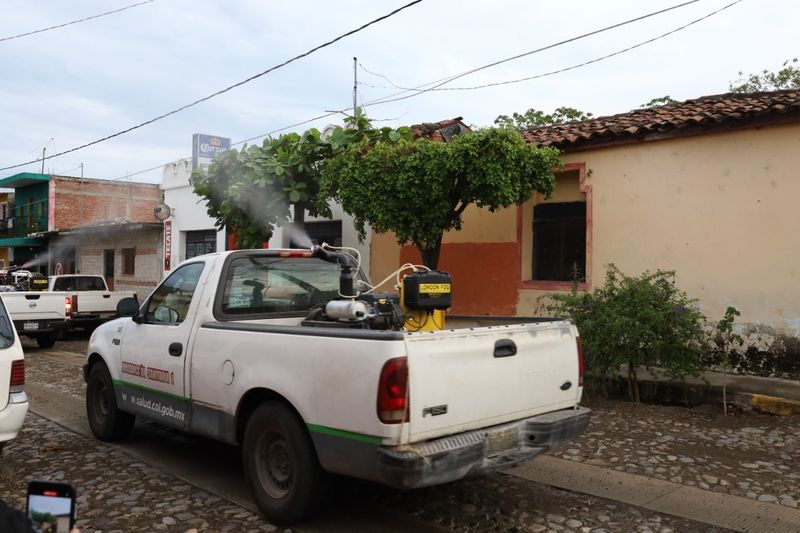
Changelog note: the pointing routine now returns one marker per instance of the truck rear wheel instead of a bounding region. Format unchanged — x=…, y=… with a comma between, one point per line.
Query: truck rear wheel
x=107, y=422
x=46, y=341
x=280, y=464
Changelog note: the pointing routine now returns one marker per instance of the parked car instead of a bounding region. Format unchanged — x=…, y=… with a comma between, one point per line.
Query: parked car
x=13, y=400
x=268, y=350
x=92, y=302
x=42, y=316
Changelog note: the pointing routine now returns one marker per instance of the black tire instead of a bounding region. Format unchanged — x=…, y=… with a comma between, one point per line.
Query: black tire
x=46, y=341
x=107, y=422
x=281, y=466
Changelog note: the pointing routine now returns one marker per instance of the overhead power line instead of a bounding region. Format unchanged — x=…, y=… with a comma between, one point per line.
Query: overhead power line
x=419, y=89
x=221, y=91
x=443, y=81
x=552, y=72
x=74, y=21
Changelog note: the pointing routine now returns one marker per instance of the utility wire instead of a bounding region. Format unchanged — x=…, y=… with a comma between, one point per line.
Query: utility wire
x=209, y=97
x=419, y=89
x=74, y=21
x=559, y=71
x=443, y=81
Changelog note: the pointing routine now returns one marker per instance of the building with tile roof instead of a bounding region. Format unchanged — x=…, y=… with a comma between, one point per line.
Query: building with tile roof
x=707, y=187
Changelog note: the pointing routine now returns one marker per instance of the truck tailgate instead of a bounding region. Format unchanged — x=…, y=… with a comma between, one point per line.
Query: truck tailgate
x=466, y=379
x=34, y=305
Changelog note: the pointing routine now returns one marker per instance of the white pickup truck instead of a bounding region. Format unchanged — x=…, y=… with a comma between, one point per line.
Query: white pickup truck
x=92, y=302
x=43, y=316
x=258, y=348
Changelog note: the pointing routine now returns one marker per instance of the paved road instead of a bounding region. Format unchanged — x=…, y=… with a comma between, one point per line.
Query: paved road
x=163, y=480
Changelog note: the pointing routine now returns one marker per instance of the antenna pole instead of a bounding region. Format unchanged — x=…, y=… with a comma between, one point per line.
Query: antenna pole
x=355, y=85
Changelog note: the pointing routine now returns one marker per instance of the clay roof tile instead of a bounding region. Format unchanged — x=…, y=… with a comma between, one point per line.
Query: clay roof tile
x=694, y=113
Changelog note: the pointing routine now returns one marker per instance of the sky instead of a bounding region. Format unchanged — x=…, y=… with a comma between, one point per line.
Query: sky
x=73, y=85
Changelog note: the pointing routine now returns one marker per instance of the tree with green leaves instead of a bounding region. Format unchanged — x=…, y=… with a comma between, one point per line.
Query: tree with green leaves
x=254, y=190
x=661, y=100
x=533, y=118
x=787, y=77
x=420, y=188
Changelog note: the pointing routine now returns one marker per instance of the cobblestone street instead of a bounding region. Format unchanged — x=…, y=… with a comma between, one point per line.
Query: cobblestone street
x=748, y=455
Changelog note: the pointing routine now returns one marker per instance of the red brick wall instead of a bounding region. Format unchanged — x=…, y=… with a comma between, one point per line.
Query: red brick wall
x=92, y=202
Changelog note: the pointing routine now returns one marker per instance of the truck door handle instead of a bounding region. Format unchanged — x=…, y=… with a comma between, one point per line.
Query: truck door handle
x=106, y=296
x=505, y=348
x=176, y=349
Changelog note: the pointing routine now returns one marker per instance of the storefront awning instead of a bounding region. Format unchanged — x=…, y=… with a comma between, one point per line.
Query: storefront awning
x=23, y=241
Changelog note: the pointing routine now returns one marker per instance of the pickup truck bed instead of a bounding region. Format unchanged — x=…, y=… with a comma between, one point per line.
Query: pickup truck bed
x=92, y=302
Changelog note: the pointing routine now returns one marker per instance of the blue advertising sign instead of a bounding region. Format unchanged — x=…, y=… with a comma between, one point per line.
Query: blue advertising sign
x=206, y=147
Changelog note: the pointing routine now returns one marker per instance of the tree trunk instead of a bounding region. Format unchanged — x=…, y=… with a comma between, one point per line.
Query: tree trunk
x=430, y=254
x=633, y=383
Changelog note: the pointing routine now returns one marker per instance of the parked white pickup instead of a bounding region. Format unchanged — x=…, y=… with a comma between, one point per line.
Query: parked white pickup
x=43, y=316
x=92, y=302
x=232, y=346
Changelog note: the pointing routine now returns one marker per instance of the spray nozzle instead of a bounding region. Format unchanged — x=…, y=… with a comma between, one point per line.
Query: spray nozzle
x=327, y=253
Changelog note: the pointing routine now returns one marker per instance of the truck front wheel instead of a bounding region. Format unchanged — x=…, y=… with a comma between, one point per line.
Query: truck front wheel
x=107, y=422
x=280, y=464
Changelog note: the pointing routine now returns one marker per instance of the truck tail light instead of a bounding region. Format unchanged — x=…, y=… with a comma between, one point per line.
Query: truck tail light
x=69, y=301
x=17, y=375
x=580, y=360
x=393, y=391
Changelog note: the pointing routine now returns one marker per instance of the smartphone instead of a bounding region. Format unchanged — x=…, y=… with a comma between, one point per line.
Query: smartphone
x=51, y=506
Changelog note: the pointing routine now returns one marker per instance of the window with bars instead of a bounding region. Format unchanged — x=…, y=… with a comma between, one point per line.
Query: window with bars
x=129, y=261
x=200, y=242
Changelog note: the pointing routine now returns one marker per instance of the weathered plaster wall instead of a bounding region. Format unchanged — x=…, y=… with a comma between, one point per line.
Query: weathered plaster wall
x=718, y=209
x=721, y=211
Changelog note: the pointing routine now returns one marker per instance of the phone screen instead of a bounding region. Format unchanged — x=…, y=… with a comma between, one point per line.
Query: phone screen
x=51, y=506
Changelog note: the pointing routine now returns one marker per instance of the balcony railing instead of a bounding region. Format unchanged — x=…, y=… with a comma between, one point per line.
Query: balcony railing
x=22, y=226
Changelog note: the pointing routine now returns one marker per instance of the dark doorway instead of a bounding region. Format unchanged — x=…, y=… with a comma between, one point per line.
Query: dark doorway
x=108, y=268
x=318, y=233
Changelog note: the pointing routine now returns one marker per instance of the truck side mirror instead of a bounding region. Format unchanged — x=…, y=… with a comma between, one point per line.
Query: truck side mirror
x=128, y=307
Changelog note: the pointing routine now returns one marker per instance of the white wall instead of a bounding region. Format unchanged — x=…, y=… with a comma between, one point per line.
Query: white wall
x=188, y=209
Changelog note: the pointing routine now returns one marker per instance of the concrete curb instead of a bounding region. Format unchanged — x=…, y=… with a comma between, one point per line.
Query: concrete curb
x=775, y=406
x=768, y=395
x=716, y=509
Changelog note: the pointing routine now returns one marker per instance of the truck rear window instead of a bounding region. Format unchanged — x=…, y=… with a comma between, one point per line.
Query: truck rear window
x=87, y=283
x=278, y=284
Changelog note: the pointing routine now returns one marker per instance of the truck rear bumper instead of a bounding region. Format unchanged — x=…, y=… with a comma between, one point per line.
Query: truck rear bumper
x=54, y=327
x=478, y=452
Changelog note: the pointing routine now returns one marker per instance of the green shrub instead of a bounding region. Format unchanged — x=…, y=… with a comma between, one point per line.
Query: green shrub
x=643, y=321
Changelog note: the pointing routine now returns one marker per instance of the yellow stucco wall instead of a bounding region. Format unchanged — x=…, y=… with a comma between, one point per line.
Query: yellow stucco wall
x=721, y=210
x=718, y=209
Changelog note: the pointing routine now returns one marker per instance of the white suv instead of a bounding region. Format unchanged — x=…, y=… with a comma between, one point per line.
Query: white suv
x=13, y=400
